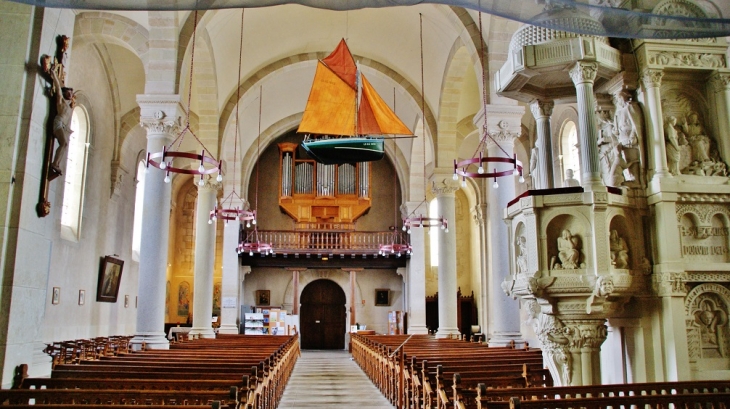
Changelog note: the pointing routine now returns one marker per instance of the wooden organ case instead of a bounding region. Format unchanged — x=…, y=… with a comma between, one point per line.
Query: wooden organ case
x=322, y=197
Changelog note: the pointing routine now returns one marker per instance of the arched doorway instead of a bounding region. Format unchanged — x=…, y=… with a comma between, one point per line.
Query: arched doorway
x=322, y=315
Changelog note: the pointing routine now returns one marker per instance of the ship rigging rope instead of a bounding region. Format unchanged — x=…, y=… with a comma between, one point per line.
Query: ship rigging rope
x=695, y=21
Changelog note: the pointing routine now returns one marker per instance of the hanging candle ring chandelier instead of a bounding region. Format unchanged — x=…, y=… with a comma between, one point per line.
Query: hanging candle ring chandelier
x=165, y=160
x=253, y=245
x=234, y=212
x=461, y=168
x=420, y=221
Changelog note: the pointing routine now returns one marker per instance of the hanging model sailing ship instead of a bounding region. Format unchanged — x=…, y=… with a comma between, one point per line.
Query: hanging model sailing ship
x=345, y=119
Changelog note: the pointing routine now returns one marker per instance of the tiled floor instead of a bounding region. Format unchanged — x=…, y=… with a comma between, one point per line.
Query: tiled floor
x=330, y=379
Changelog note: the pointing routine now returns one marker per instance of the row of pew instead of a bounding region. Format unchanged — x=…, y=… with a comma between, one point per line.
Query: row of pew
x=422, y=372
x=231, y=371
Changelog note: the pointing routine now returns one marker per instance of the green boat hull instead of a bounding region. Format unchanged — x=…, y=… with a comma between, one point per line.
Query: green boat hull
x=345, y=150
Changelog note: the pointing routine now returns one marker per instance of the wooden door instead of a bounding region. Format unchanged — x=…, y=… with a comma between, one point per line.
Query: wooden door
x=322, y=315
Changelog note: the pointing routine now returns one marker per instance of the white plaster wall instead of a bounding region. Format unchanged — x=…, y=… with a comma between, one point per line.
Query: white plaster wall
x=278, y=281
x=105, y=227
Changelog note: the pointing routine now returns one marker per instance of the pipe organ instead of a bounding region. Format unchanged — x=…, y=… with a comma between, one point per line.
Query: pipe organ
x=312, y=193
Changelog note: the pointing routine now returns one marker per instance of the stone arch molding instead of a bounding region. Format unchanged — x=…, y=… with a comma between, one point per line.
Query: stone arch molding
x=707, y=308
x=101, y=27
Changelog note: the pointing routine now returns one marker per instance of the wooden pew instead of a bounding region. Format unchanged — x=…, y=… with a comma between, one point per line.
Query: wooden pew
x=201, y=372
x=688, y=401
x=499, y=399
x=117, y=397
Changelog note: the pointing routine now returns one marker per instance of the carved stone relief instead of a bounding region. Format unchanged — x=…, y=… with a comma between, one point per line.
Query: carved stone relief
x=691, y=150
x=708, y=333
x=569, y=252
x=703, y=232
x=619, y=250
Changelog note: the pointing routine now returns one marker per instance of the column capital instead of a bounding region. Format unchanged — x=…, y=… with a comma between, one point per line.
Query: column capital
x=586, y=333
x=670, y=284
x=503, y=135
x=442, y=186
x=541, y=108
x=412, y=207
x=584, y=72
x=352, y=270
x=652, y=77
x=243, y=271
x=500, y=117
x=159, y=112
x=720, y=81
x=299, y=269
x=209, y=184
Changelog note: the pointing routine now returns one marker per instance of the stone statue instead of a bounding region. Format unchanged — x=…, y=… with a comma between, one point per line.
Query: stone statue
x=65, y=104
x=671, y=139
x=533, y=168
x=570, y=181
x=568, y=250
x=619, y=250
x=629, y=132
x=521, y=255
x=606, y=141
x=616, y=166
x=697, y=138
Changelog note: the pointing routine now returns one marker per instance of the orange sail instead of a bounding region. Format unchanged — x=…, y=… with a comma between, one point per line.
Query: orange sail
x=332, y=104
x=375, y=116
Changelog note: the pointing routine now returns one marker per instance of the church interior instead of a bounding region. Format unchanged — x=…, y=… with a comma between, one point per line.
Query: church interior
x=596, y=231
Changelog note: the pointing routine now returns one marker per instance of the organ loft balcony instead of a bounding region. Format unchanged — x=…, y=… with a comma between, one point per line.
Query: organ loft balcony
x=324, y=203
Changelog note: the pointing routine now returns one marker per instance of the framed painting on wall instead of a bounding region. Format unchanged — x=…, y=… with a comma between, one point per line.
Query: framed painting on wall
x=82, y=297
x=382, y=297
x=263, y=297
x=110, y=276
x=56, y=295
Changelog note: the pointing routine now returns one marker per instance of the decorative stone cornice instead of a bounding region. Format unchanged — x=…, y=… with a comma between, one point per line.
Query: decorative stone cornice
x=583, y=72
x=444, y=187
x=542, y=109
x=670, y=284
x=477, y=214
x=652, y=77
x=720, y=81
x=553, y=336
x=684, y=59
x=118, y=172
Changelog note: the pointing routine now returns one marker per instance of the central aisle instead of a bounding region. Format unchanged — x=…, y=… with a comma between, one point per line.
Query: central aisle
x=330, y=379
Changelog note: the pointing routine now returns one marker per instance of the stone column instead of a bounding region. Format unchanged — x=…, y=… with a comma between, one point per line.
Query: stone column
x=295, y=289
x=542, y=110
x=159, y=115
x=671, y=288
x=230, y=306
x=583, y=74
x=416, y=266
x=652, y=81
x=204, y=261
x=504, y=314
x=444, y=188
x=480, y=213
x=720, y=82
x=245, y=270
x=586, y=337
x=353, y=287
